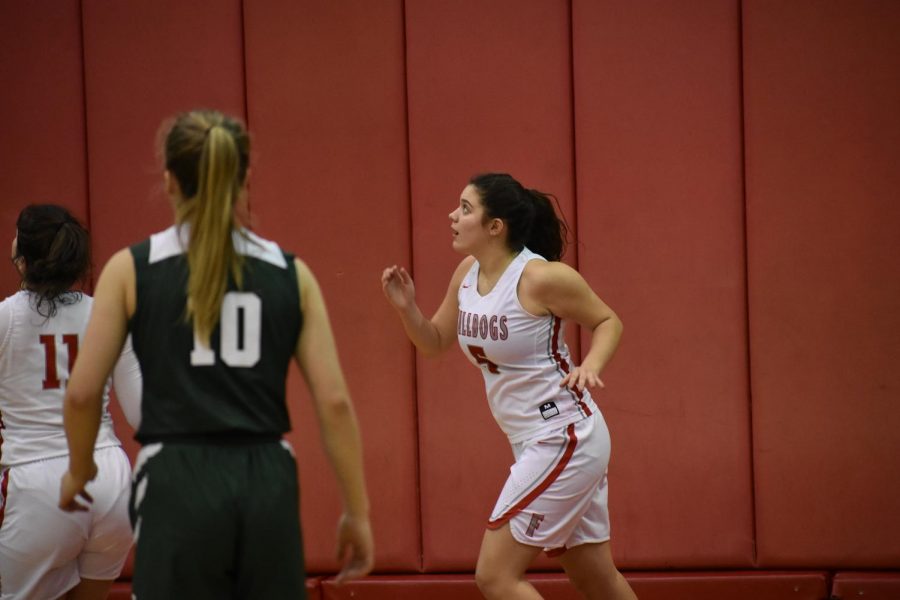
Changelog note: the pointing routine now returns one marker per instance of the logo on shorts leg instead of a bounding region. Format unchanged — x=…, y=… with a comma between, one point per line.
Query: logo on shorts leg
x=548, y=409
x=535, y=523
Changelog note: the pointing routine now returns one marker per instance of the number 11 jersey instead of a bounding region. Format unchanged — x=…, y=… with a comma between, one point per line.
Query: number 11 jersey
x=36, y=355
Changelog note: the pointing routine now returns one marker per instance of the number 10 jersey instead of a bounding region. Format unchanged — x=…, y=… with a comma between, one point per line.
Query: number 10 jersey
x=235, y=386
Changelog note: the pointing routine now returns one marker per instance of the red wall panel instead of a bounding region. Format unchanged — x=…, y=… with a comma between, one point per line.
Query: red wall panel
x=660, y=222
x=822, y=131
x=326, y=99
x=145, y=61
x=42, y=103
x=648, y=586
x=489, y=90
x=871, y=586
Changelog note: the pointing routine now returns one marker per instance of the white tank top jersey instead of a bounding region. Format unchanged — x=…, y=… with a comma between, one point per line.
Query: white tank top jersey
x=523, y=357
x=36, y=356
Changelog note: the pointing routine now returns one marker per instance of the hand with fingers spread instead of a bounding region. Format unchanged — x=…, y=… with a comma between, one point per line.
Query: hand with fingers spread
x=70, y=487
x=398, y=287
x=355, y=548
x=581, y=377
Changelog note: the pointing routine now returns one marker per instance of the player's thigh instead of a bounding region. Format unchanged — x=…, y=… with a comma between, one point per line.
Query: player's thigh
x=182, y=506
x=270, y=553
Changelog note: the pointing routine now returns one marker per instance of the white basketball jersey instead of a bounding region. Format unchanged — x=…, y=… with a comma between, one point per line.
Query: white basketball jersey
x=523, y=357
x=36, y=356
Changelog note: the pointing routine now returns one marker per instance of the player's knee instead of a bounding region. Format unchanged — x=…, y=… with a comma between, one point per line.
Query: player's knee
x=492, y=582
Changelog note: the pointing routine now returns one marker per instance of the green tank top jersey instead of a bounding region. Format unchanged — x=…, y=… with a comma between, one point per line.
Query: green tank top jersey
x=235, y=387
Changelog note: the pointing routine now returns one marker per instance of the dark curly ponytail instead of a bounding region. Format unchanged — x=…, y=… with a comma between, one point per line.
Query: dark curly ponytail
x=56, y=251
x=529, y=214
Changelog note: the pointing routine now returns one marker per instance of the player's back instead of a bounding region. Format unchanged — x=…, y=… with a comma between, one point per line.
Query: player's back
x=36, y=356
x=236, y=385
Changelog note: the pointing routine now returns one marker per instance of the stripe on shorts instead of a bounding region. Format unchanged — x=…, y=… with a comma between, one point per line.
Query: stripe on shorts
x=543, y=485
x=4, y=484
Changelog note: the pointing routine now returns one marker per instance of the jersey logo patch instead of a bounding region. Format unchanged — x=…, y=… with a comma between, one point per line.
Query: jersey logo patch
x=534, y=524
x=548, y=410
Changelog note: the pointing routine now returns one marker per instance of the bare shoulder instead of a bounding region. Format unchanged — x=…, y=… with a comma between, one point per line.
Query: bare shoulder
x=465, y=264
x=461, y=269
x=118, y=272
x=303, y=270
x=120, y=262
x=541, y=278
x=306, y=281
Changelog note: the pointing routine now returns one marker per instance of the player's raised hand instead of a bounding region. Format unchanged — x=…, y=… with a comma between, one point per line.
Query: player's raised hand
x=398, y=287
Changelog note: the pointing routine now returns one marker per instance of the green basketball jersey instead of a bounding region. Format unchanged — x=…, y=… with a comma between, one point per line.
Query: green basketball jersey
x=236, y=385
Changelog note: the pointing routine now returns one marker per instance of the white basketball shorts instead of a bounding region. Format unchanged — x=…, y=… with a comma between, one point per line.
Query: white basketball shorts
x=44, y=552
x=556, y=494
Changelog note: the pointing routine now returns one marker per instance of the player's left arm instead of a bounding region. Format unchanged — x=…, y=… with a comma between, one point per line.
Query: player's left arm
x=564, y=292
x=102, y=345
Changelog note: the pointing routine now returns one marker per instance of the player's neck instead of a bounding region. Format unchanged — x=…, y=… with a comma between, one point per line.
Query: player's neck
x=493, y=264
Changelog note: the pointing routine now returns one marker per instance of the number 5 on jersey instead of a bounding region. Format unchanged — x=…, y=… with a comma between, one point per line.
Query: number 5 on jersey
x=239, y=333
x=481, y=359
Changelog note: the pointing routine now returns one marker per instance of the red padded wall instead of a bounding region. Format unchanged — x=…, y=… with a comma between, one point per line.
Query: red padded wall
x=822, y=131
x=42, y=129
x=489, y=90
x=660, y=222
x=326, y=98
x=122, y=590
x=647, y=586
x=871, y=586
x=750, y=585
x=144, y=62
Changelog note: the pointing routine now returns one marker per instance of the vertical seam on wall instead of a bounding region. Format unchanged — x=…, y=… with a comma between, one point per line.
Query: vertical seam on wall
x=574, y=154
x=244, y=63
x=243, y=13
x=415, y=360
x=573, y=128
x=87, y=157
x=743, y=147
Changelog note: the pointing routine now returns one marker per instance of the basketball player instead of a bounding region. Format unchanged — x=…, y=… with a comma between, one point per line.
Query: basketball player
x=216, y=314
x=505, y=305
x=45, y=553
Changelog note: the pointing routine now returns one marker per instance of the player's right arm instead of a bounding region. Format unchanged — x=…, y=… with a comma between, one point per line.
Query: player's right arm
x=316, y=354
x=103, y=340
x=433, y=336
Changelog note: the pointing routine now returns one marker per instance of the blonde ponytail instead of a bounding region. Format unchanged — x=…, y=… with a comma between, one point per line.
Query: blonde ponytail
x=219, y=152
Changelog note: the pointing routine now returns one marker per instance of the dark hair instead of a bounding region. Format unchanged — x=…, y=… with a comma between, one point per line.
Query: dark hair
x=57, y=254
x=529, y=215
x=208, y=154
